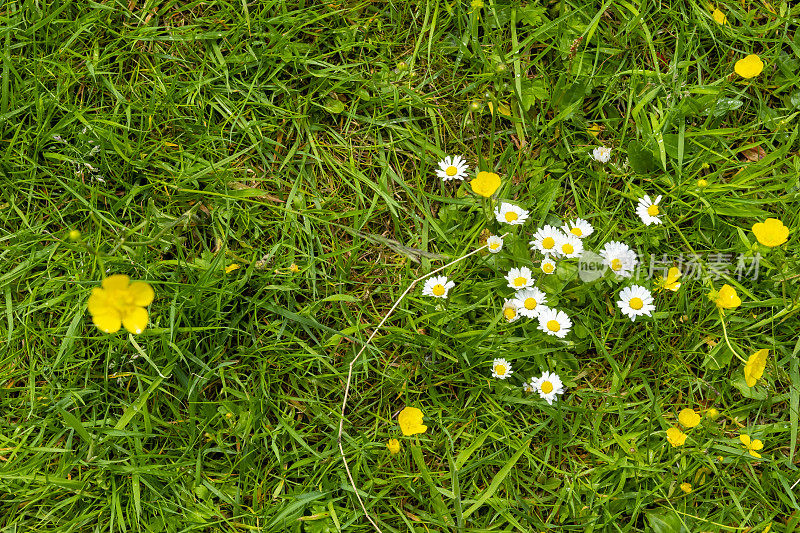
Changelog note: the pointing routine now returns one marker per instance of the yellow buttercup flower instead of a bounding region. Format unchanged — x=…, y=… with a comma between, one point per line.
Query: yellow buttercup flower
x=754, y=368
x=751, y=445
x=726, y=298
x=771, y=232
x=485, y=184
x=688, y=418
x=712, y=414
x=74, y=235
x=120, y=302
x=686, y=487
x=394, y=446
x=410, y=420
x=749, y=67
x=676, y=437
x=671, y=281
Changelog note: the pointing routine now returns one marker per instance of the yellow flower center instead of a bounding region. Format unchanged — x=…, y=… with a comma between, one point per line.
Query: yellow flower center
x=652, y=210
x=451, y=171
x=511, y=216
x=520, y=281
x=509, y=313
x=548, y=268
x=567, y=249
x=494, y=245
x=636, y=303
x=577, y=232
x=547, y=387
x=616, y=264
x=553, y=325
x=530, y=303
x=438, y=289
x=548, y=243
x=500, y=370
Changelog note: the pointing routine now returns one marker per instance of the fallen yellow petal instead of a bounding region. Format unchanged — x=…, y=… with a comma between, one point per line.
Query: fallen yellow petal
x=688, y=418
x=749, y=67
x=394, y=446
x=410, y=420
x=754, y=368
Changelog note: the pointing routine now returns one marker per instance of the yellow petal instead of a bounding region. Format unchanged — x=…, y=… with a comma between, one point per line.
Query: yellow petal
x=771, y=232
x=745, y=439
x=142, y=293
x=719, y=17
x=135, y=320
x=108, y=321
x=727, y=298
x=756, y=445
x=754, y=454
x=231, y=268
x=754, y=368
x=410, y=420
x=675, y=436
x=485, y=184
x=116, y=282
x=394, y=446
x=673, y=274
x=686, y=487
x=98, y=301
x=688, y=418
x=671, y=281
x=749, y=67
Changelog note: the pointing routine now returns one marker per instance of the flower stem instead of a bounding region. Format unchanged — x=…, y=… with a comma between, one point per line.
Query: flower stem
x=727, y=341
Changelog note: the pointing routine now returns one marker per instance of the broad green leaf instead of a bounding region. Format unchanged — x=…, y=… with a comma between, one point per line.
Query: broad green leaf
x=640, y=158
x=718, y=358
x=533, y=90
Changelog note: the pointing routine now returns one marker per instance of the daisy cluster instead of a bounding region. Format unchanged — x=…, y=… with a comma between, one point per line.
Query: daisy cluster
x=556, y=244
x=551, y=246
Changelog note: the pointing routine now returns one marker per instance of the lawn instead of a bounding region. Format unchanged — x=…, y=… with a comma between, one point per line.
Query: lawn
x=269, y=169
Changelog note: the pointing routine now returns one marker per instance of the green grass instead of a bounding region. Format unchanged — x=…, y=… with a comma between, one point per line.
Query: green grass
x=180, y=137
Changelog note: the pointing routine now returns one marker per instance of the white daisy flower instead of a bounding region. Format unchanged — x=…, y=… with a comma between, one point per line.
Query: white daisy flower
x=548, y=265
x=511, y=309
x=452, y=168
x=578, y=227
x=545, y=239
x=532, y=301
x=619, y=258
x=636, y=301
x=520, y=278
x=530, y=385
x=548, y=386
x=601, y=154
x=501, y=369
x=568, y=245
x=648, y=210
x=437, y=286
x=494, y=244
x=510, y=214
x=554, y=322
